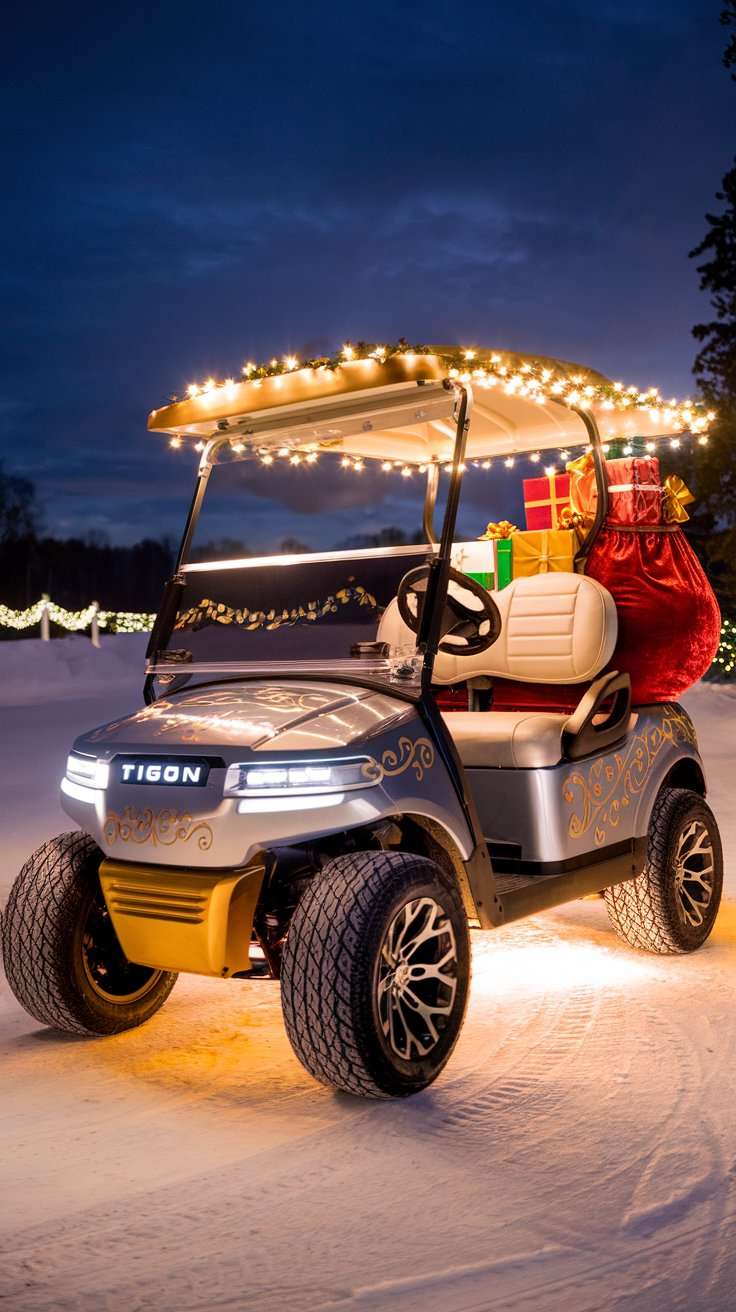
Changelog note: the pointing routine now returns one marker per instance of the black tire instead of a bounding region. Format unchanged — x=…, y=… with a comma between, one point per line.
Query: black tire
x=344, y=1007
x=661, y=910
x=62, y=957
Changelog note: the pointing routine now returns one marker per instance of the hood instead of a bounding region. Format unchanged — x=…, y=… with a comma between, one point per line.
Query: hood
x=259, y=715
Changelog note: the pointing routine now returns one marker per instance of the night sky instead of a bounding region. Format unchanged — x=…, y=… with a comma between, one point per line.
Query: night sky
x=189, y=186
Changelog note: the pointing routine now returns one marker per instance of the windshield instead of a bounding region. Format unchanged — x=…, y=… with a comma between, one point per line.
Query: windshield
x=295, y=570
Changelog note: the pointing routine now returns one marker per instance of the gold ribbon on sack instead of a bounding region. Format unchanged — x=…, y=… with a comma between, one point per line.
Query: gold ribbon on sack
x=582, y=465
x=583, y=494
x=496, y=531
x=676, y=496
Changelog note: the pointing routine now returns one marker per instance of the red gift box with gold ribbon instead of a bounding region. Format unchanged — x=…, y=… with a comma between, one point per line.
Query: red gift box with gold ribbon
x=545, y=499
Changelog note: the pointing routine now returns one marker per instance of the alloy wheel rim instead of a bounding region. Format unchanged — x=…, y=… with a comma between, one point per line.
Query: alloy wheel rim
x=417, y=978
x=107, y=970
x=694, y=870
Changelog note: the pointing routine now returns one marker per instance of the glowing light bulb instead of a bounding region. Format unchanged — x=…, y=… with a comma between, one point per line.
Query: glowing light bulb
x=650, y=446
x=199, y=446
x=175, y=442
x=485, y=464
x=703, y=441
x=535, y=457
x=550, y=470
x=312, y=458
x=283, y=452
x=509, y=462
x=193, y=389
x=210, y=385
x=358, y=466
x=249, y=368
x=267, y=460
x=347, y=352
x=406, y=472
x=346, y=462
x=675, y=442
x=605, y=448
x=274, y=363
x=628, y=449
x=291, y=362
x=386, y=466
x=564, y=455
x=238, y=446
x=469, y=355
x=295, y=459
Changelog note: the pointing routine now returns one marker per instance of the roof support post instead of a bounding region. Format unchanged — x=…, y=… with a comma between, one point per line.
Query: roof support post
x=439, y=567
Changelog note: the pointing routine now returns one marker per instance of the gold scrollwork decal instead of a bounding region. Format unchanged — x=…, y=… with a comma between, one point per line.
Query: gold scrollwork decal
x=416, y=754
x=160, y=828
x=600, y=793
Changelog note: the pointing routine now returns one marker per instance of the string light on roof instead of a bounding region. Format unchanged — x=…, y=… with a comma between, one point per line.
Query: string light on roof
x=175, y=442
x=535, y=457
x=509, y=462
x=550, y=470
x=267, y=459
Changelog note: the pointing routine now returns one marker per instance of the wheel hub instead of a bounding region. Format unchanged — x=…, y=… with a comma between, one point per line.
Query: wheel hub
x=694, y=869
x=417, y=978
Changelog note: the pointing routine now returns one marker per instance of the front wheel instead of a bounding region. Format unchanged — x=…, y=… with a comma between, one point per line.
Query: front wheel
x=375, y=973
x=62, y=956
x=672, y=905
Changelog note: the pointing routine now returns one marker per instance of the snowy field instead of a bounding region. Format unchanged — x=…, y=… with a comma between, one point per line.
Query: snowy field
x=579, y=1152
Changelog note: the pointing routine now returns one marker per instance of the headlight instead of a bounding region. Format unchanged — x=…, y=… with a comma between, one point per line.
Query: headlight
x=87, y=770
x=297, y=778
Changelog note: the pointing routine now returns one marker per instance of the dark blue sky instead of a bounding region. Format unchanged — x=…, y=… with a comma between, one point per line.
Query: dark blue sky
x=187, y=186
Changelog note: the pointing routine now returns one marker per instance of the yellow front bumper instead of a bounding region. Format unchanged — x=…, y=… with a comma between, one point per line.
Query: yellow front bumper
x=188, y=920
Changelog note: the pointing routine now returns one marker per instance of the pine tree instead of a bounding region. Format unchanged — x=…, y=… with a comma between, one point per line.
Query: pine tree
x=714, y=473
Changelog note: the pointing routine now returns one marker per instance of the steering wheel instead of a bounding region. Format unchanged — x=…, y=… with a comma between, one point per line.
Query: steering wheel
x=465, y=630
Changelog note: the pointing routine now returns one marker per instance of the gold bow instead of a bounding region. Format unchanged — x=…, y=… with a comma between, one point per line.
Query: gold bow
x=676, y=496
x=582, y=465
x=570, y=518
x=495, y=531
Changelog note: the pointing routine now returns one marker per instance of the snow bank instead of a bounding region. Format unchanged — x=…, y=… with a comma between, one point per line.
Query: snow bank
x=32, y=671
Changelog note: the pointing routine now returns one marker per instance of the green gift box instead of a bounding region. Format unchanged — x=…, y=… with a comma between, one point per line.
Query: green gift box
x=504, y=562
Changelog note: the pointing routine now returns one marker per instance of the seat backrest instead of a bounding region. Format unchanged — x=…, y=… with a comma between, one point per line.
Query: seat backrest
x=556, y=628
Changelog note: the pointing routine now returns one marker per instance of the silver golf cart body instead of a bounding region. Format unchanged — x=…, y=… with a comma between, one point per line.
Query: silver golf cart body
x=237, y=754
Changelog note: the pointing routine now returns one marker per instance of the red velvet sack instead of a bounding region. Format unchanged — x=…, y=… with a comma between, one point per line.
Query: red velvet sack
x=669, y=623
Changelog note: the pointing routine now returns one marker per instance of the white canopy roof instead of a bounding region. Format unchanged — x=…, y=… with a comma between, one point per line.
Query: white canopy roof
x=399, y=409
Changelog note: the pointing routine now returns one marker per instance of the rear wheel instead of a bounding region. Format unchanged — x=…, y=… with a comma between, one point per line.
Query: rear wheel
x=375, y=974
x=62, y=956
x=672, y=905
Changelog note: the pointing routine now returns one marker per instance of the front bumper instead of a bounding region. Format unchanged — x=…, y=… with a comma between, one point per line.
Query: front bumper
x=182, y=919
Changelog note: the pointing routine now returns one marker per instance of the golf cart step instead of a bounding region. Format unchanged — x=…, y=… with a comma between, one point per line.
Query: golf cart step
x=530, y=891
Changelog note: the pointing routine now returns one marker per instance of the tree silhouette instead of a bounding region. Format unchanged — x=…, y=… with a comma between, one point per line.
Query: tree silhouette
x=714, y=467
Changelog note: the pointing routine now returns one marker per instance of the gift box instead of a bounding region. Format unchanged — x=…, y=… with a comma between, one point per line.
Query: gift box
x=476, y=559
x=498, y=538
x=544, y=551
x=544, y=500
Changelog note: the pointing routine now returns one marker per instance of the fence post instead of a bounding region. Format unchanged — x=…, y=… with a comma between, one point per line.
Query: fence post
x=45, y=626
x=95, y=630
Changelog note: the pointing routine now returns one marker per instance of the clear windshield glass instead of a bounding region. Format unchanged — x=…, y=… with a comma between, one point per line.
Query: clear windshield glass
x=295, y=569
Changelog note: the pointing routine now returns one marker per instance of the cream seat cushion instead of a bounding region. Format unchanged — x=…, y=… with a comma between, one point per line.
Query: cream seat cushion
x=514, y=739
x=556, y=628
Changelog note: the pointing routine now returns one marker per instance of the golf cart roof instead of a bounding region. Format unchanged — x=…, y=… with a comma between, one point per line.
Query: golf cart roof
x=394, y=404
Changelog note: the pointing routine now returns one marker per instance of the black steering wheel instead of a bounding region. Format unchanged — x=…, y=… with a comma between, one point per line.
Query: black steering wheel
x=465, y=630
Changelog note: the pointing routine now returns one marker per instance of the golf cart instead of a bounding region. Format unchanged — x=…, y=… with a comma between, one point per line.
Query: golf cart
x=293, y=801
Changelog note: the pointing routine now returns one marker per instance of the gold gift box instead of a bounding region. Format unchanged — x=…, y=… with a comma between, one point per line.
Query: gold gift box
x=544, y=551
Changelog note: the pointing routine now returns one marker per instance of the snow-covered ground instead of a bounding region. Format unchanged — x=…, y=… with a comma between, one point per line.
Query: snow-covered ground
x=579, y=1151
